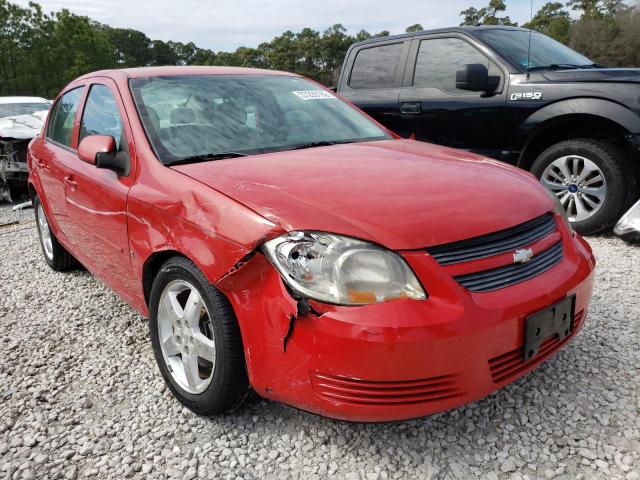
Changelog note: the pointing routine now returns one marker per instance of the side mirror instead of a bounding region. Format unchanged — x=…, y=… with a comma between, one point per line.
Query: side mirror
x=474, y=77
x=100, y=150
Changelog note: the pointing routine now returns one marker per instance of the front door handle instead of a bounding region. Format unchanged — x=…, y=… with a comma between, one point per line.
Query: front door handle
x=411, y=108
x=69, y=182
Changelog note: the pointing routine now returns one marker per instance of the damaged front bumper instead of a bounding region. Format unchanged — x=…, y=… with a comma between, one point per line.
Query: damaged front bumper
x=628, y=227
x=399, y=359
x=13, y=167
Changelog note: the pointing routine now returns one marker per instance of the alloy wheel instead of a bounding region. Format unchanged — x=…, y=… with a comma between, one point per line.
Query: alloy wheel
x=579, y=185
x=45, y=233
x=186, y=336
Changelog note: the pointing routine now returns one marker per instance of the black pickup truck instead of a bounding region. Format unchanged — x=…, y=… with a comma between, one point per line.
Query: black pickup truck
x=514, y=95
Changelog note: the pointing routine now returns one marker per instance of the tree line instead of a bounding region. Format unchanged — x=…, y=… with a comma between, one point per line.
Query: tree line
x=40, y=52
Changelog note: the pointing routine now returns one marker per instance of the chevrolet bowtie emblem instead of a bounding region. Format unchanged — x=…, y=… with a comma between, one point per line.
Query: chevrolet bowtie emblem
x=523, y=255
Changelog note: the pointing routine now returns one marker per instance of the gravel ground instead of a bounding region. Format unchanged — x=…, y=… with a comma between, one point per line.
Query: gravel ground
x=80, y=396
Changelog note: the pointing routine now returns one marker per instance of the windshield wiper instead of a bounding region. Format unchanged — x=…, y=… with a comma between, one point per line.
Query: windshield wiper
x=323, y=143
x=205, y=157
x=562, y=66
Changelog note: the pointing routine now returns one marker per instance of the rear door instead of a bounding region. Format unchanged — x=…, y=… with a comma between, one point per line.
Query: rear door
x=52, y=156
x=372, y=78
x=96, y=198
x=434, y=110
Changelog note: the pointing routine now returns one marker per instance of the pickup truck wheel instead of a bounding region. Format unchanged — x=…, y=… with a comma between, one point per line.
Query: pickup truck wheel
x=196, y=340
x=591, y=179
x=56, y=256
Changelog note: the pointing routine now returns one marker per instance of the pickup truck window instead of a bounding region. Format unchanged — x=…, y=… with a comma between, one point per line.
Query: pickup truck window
x=60, y=128
x=440, y=58
x=376, y=67
x=544, y=52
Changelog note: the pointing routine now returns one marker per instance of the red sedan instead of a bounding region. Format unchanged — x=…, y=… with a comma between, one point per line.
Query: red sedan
x=280, y=240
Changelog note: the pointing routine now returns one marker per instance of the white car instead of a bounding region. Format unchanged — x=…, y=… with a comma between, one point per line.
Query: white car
x=21, y=119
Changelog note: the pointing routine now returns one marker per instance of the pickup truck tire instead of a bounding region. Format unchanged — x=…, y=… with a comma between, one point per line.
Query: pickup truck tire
x=592, y=179
x=196, y=340
x=56, y=256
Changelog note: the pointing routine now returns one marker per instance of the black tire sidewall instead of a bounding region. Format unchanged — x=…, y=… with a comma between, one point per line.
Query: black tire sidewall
x=610, y=160
x=214, y=398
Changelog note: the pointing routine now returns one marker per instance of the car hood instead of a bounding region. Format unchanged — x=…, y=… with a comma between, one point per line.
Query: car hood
x=624, y=75
x=400, y=193
x=22, y=126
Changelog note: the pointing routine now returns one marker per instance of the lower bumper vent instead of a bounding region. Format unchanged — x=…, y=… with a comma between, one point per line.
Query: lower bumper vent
x=370, y=393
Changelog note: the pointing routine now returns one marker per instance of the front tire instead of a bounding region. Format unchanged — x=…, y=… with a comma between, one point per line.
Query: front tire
x=196, y=340
x=592, y=179
x=56, y=256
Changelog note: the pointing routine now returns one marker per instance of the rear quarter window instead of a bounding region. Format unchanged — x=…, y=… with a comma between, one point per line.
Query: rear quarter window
x=376, y=67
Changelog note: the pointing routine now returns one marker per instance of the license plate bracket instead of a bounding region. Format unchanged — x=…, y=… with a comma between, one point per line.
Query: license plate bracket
x=556, y=319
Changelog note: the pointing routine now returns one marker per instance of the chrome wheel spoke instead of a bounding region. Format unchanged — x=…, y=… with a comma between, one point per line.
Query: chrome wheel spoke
x=553, y=186
x=193, y=309
x=45, y=232
x=204, y=347
x=581, y=209
x=190, y=366
x=598, y=192
x=171, y=345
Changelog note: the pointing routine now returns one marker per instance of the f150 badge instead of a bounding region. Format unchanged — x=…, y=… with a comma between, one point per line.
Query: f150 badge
x=526, y=96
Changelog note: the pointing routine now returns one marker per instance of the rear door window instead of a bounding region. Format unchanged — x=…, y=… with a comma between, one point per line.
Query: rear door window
x=60, y=128
x=376, y=67
x=440, y=58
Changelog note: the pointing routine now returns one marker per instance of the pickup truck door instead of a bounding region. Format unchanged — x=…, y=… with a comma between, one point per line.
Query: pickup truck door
x=372, y=77
x=96, y=198
x=432, y=109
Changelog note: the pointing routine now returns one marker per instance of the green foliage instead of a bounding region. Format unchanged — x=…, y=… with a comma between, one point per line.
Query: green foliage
x=414, y=28
x=552, y=20
x=487, y=15
x=40, y=53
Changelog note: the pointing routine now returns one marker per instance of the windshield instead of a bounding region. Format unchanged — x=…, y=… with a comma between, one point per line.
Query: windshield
x=15, y=109
x=200, y=117
x=545, y=52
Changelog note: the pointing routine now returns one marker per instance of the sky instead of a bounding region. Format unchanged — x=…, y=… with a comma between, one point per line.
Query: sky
x=228, y=24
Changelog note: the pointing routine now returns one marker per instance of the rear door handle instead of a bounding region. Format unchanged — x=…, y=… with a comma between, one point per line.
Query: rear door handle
x=69, y=182
x=411, y=108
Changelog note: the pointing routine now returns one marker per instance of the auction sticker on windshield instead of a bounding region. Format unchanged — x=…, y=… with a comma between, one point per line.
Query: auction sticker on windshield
x=312, y=94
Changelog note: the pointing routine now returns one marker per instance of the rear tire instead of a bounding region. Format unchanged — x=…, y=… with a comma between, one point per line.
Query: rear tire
x=56, y=256
x=199, y=349
x=593, y=180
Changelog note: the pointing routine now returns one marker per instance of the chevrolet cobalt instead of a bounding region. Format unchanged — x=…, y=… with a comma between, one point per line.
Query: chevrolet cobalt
x=281, y=241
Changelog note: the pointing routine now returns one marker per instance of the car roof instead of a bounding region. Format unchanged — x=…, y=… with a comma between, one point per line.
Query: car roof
x=124, y=73
x=5, y=100
x=464, y=29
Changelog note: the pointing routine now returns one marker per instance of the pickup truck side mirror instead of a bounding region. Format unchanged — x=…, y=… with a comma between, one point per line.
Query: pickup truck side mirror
x=100, y=150
x=474, y=77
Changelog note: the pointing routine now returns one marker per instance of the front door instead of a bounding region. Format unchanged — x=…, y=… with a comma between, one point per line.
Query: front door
x=96, y=198
x=436, y=111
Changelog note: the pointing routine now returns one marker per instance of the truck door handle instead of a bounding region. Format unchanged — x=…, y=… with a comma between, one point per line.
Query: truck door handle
x=69, y=182
x=411, y=108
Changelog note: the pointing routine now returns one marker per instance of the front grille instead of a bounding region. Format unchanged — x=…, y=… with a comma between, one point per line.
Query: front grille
x=512, y=364
x=502, y=277
x=371, y=393
x=494, y=243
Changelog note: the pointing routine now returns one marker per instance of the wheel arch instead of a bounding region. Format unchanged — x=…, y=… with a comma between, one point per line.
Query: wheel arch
x=152, y=266
x=575, y=118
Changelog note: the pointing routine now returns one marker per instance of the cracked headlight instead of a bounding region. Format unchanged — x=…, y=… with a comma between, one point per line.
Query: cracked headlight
x=341, y=270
